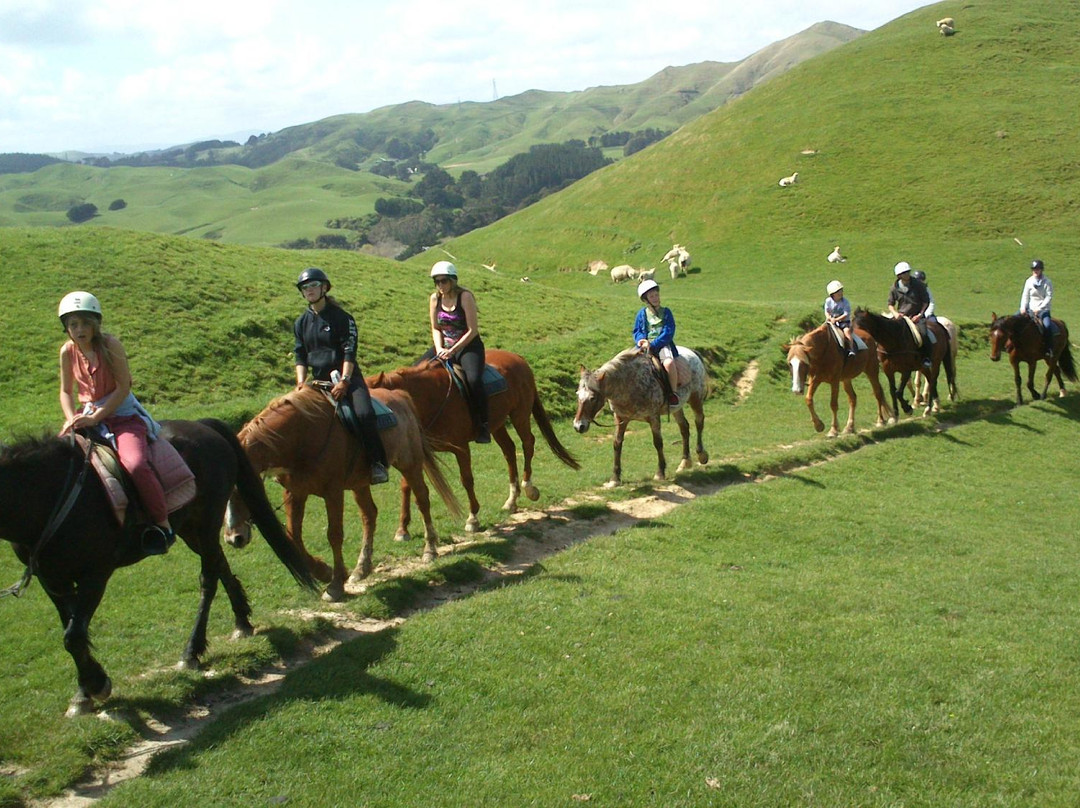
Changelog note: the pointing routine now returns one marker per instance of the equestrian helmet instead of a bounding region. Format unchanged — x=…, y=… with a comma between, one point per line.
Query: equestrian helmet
x=901, y=268
x=834, y=287
x=442, y=269
x=918, y=275
x=312, y=274
x=83, y=302
x=1037, y=264
x=646, y=286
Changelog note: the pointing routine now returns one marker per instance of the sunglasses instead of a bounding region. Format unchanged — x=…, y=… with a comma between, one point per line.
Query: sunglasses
x=310, y=285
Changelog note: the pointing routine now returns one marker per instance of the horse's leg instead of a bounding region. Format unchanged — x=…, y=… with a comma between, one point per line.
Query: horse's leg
x=523, y=427
x=335, y=535
x=1051, y=367
x=76, y=608
x=811, y=388
x=684, y=429
x=932, y=404
x=699, y=427
x=295, y=505
x=617, y=442
x=834, y=403
x=898, y=395
x=658, y=444
x=849, y=388
x=368, y=514
x=1016, y=378
x=415, y=475
x=465, y=473
x=509, y=451
x=406, y=512
x=1031, y=380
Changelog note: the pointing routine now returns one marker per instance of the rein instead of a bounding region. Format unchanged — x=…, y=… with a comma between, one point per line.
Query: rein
x=449, y=389
x=69, y=494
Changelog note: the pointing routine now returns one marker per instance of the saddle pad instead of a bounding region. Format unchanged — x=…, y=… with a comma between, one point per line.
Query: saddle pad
x=384, y=416
x=682, y=368
x=494, y=382
x=177, y=480
x=838, y=335
x=918, y=337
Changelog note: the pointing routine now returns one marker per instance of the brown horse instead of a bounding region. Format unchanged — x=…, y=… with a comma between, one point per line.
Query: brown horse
x=1020, y=337
x=919, y=386
x=817, y=358
x=300, y=439
x=444, y=415
x=900, y=355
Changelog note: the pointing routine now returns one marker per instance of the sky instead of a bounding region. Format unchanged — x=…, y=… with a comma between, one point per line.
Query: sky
x=125, y=75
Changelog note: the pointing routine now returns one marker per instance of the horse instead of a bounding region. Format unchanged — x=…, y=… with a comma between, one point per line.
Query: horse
x=299, y=438
x=920, y=386
x=62, y=525
x=1020, y=337
x=899, y=354
x=629, y=383
x=817, y=358
x=446, y=419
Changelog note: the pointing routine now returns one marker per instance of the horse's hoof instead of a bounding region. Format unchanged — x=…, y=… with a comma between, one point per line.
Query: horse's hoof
x=819, y=427
x=402, y=535
x=429, y=556
x=334, y=594
x=357, y=577
x=1061, y=394
x=532, y=492
x=703, y=458
x=79, y=705
x=660, y=476
x=189, y=664
x=510, y=506
x=472, y=525
x=685, y=465
x=240, y=632
x=832, y=433
x=611, y=484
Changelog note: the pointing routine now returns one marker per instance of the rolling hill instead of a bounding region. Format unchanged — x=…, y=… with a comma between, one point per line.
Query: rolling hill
x=286, y=185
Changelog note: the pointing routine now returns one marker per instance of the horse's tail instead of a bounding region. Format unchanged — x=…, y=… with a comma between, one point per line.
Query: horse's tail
x=251, y=488
x=1065, y=362
x=544, y=423
x=437, y=479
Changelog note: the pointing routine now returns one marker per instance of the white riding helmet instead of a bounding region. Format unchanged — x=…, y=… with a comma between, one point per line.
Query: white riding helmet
x=646, y=286
x=442, y=268
x=834, y=287
x=901, y=268
x=79, y=302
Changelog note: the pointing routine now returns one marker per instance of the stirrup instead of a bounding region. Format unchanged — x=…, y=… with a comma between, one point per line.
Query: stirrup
x=379, y=474
x=157, y=540
x=483, y=434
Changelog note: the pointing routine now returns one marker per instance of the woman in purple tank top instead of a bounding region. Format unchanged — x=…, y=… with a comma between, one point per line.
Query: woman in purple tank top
x=455, y=336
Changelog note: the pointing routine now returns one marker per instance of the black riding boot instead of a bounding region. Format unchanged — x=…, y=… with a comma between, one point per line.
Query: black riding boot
x=1048, y=344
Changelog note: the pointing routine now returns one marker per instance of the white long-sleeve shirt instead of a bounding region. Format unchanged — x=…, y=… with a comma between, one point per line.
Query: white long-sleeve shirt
x=1036, y=295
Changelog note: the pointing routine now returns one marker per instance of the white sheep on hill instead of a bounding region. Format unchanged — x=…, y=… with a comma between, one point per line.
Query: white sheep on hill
x=949, y=21
x=623, y=272
x=786, y=181
x=596, y=267
x=646, y=274
x=835, y=257
x=678, y=258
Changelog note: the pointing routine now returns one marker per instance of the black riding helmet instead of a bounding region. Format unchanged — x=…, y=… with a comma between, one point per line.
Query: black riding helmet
x=312, y=274
x=919, y=275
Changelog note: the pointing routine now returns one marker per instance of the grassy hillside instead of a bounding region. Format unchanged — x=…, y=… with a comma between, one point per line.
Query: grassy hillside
x=303, y=181
x=936, y=150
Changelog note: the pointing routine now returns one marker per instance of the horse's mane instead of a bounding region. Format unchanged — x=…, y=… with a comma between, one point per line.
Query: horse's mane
x=308, y=401
x=395, y=379
x=31, y=449
x=620, y=359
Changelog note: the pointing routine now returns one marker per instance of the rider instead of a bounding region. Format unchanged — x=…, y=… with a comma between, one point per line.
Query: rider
x=95, y=363
x=1035, y=302
x=931, y=309
x=455, y=337
x=326, y=341
x=908, y=297
x=654, y=331
x=838, y=312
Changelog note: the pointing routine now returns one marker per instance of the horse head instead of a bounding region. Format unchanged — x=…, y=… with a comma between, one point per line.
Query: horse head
x=798, y=361
x=590, y=397
x=1001, y=335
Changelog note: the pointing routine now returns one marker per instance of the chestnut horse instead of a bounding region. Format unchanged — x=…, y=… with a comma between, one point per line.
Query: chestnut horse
x=919, y=386
x=817, y=358
x=900, y=355
x=445, y=418
x=299, y=438
x=629, y=383
x=1020, y=337
x=56, y=513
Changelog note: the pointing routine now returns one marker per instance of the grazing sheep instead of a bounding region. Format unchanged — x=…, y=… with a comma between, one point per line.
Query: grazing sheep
x=646, y=274
x=596, y=267
x=949, y=21
x=947, y=30
x=835, y=257
x=623, y=272
x=678, y=258
x=525, y=279
x=786, y=181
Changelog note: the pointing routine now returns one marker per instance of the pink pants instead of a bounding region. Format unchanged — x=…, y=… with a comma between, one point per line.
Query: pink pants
x=130, y=431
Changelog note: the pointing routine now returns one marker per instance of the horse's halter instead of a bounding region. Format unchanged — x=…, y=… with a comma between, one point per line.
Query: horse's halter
x=594, y=391
x=66, y=501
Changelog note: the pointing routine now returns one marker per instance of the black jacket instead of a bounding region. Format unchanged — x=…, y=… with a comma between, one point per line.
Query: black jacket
x=324, y=341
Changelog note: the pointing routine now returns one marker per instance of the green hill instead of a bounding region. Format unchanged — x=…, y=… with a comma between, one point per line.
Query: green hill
x=286, y=185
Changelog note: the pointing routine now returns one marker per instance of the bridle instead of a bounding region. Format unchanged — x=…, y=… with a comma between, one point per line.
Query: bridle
x=73, y=486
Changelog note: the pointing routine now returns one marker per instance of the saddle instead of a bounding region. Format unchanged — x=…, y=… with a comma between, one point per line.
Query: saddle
x=682, y=372
x=494, y=382
x=177, y=480
x=838, y=335
x=384, y=416
x=916, y=335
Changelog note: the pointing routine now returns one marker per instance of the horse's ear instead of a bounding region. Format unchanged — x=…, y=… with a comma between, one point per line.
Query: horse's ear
x=993, y=316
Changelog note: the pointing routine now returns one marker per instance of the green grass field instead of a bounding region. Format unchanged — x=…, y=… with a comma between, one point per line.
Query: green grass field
x=882, y=619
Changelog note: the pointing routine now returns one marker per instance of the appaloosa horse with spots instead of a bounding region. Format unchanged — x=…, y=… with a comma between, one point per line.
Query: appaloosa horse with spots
x=629, y=382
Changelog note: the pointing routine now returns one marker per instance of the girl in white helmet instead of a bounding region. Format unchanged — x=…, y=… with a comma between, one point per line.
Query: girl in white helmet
x=654, y=331
x=838, y=312
x=455, y=336
x=95, y=395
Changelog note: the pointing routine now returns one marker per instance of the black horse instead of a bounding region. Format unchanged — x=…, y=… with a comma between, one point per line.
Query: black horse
x=54, y=510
